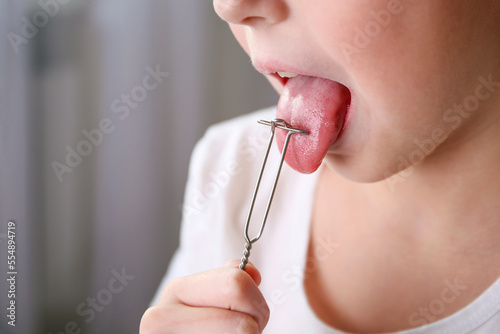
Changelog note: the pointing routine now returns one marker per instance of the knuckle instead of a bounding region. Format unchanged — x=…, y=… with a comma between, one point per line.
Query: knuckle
x=265, y=312
x=237, y=285
x=174, y=284
x=169, y=294
x=158, y=320
x=261, y=312
x=247, y=325
x=149, y=321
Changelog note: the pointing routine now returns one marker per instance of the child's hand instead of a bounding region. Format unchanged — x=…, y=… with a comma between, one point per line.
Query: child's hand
x=223, y=300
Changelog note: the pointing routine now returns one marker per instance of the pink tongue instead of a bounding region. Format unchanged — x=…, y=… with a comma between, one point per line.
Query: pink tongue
x=318, y=106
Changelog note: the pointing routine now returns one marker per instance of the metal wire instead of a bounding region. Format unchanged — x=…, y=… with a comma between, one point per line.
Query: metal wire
x=280, y=124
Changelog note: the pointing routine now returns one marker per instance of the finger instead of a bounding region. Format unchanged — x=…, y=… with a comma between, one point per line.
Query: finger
x=190, y=320
x=226, y=288
x=250, y=270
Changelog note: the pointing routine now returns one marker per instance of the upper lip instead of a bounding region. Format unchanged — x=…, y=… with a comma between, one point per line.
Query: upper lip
x=272, y=67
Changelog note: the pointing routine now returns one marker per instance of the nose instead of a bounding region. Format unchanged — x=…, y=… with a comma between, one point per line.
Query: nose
x=249, y=12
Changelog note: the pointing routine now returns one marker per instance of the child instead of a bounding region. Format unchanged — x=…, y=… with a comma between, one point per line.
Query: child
x=390, y=220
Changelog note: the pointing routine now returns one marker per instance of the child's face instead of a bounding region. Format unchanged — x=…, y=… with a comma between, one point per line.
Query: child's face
x=412, y=67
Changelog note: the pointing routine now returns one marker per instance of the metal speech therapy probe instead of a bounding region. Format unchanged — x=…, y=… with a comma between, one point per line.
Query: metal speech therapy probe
x=280, y=124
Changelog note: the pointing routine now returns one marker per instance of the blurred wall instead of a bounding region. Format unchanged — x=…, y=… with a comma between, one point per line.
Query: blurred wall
x=101, y=103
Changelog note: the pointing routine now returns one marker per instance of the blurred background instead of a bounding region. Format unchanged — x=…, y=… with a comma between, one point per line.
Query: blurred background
x=101, y=103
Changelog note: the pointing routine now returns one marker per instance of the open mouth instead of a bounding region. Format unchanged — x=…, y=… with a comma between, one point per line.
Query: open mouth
x=318, y=105
x=283, y=76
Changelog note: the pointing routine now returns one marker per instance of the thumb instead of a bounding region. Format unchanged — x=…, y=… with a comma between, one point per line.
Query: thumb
x=250, y=270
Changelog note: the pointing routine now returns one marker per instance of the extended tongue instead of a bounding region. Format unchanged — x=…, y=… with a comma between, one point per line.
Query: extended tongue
x=316, y=105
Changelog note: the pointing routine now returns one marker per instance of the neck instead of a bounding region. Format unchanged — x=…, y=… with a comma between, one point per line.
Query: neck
x=456, y=188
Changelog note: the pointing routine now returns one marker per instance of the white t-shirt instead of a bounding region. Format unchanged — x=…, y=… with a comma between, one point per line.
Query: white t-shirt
x=222, y=176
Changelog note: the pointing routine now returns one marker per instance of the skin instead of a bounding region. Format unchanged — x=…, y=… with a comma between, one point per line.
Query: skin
x=221, y=300
x=418, y=225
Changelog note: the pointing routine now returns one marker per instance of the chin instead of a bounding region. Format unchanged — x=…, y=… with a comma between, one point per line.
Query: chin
x=359, y=171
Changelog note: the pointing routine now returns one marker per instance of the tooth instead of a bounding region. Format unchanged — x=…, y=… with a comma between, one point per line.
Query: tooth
x=285, y=74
